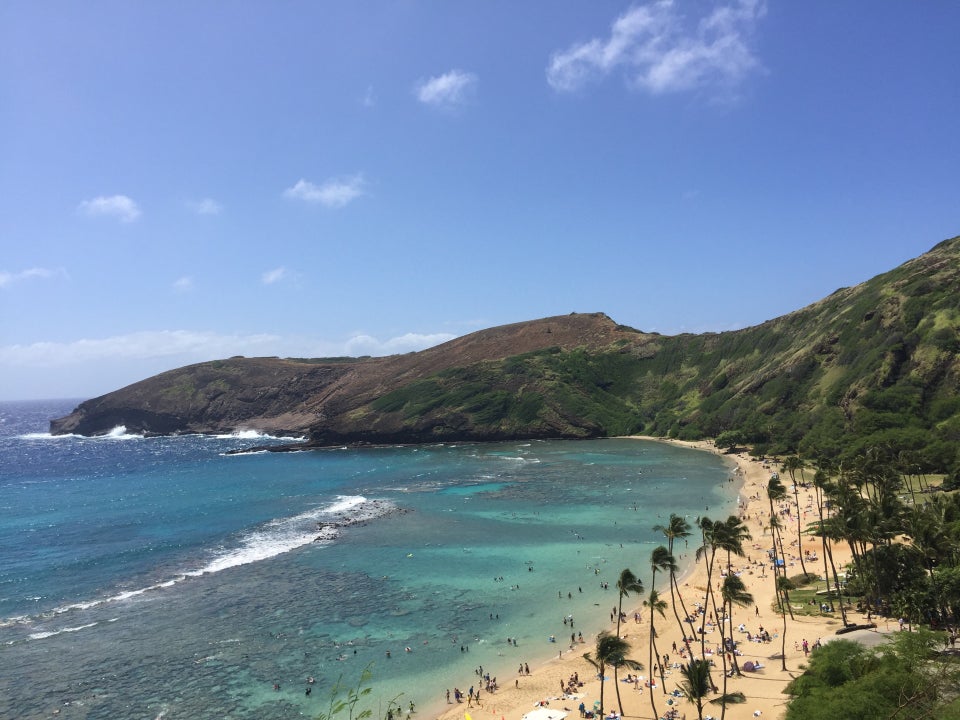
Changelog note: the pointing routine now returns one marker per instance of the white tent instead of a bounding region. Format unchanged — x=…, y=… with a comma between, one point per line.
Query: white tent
x=545, y=713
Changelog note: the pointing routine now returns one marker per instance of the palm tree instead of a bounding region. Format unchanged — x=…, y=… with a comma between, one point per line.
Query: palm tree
x=696, y=683
x=710, y=532
x=734, y=534
x=733, y=592
x=678, y=527
x=610, y=650
x=784, y=586
x=618, y=661
x=791, y=464
x=656, y=605
x=776, y=492
x=627, y=583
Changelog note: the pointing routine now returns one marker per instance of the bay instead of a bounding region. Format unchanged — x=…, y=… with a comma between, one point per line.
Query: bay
x=163, y=578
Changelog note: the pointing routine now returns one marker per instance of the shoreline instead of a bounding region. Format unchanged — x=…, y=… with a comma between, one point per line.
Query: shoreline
x=548, y=671
x=763, y=689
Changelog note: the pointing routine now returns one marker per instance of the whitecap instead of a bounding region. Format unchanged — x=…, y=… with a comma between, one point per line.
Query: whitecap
x=51, y=633
x=120, y=433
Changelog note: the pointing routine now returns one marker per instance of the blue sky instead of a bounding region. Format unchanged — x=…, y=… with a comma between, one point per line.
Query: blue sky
x=182, y=181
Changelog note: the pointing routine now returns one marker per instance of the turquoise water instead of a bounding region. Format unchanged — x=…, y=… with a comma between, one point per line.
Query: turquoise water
x=148, y=578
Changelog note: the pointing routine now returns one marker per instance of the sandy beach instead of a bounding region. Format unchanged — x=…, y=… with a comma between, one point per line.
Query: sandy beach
x=519, y=694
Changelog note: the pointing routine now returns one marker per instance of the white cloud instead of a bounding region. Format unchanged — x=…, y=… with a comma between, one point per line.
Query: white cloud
x=409, y=342
x=36, y=273
x=446, y=90
x=660, y=52
x=273, y=276
x=88, y=367
x=206, y=206
x=136, y=346
x=195, y=346
x=118, y=206
x=369, y=98
x=334, y=193
x=183, y=284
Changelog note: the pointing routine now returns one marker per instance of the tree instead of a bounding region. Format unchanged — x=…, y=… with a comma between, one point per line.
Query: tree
x=708, y=550
x=627, y=584
x=907, y=678
x=784, y=586
x=656, y=605
x=675, y=529
x=696, y=683
x=730, y=440
x=610, y=650
x=734, y=592
x=618, y=661
x=791, y=464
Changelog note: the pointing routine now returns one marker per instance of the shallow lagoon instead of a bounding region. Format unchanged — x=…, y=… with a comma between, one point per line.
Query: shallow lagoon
x=495, y=541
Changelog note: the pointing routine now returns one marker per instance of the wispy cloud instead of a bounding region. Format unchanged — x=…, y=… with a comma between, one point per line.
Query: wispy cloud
x=334, y=193
x=10, y=278
x=184, y=284
x=192, y=346
x=408, y=342
x=660, y=51
x=448, y=90
x=273, y=276
x=206, y=206
x=136, y=346
x=369, y=98
x=117, y=206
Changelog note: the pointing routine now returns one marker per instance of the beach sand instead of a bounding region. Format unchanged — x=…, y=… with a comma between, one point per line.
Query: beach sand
x=518, y=695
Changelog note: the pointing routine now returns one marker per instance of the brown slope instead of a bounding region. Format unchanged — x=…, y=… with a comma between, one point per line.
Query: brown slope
x=286, y=396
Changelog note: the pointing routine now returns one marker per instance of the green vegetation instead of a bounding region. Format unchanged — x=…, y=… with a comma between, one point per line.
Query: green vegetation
x=875, y=366
x=910, y=678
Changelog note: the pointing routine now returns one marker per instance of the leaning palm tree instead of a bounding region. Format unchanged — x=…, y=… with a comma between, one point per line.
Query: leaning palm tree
x=677, y=528
x=696, y=683
x=656, y=605
x=610, y=650
x=627, y=583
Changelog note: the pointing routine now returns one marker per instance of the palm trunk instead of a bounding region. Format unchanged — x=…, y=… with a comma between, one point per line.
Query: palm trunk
x=686, y=614
x=653, y=704
x=836, y=584
x=706, y=605
x=796, y=497
x=784, y=560
x=723, y=653
x=616, y=685
x=783, y=636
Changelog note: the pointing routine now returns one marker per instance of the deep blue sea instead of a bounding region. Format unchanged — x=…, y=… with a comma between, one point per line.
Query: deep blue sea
x=163, y=578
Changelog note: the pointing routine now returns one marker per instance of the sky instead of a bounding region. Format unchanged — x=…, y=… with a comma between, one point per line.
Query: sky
x=189, y=180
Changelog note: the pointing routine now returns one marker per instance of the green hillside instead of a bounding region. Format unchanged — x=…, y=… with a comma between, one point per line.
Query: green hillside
x=876, y=364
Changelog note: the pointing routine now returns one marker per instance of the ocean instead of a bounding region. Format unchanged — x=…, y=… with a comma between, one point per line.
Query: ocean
x=165, y=578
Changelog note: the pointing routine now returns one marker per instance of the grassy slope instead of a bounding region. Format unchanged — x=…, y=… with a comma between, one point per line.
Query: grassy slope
x=877, y=363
